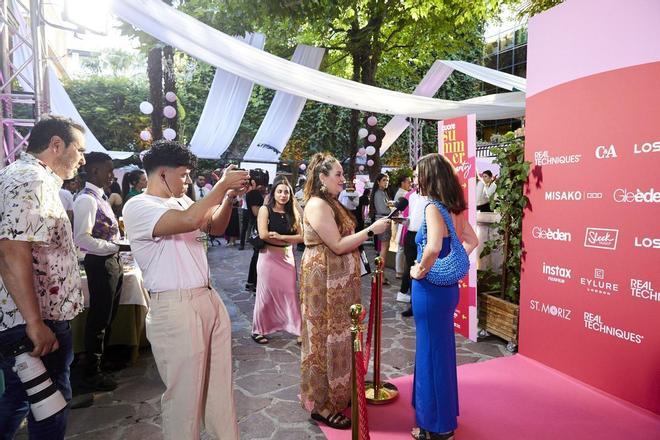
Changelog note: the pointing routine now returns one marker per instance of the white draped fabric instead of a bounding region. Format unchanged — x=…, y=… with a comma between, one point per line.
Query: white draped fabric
x=283, y=113
x=224, y=109
x=214, y=47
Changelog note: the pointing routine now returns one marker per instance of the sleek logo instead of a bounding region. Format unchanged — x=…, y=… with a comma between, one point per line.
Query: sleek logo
x=598, y=284
x=647, y=147
x=601, y=238
x=557, y=274
x=643, y=289
x=595, y=323
x=604, y=152
x=646, y=242
x=552, y=310
x=571, y=196
x=550, y=234
x=623, y=195
x=543, y=158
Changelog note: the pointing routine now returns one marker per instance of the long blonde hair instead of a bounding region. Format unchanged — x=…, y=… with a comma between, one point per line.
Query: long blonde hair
x=323, y=163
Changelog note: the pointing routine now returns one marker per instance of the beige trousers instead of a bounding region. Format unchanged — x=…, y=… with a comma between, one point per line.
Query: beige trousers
x=190, y=335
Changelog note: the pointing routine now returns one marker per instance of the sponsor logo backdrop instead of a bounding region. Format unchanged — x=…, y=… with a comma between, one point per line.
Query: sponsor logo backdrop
x=590, y=300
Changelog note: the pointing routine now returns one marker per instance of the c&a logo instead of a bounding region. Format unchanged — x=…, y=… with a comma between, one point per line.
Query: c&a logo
x=623, y=195
x=569, y=196
x=647, y=242
x=601, y=238
x=604, y=152
x=644, y=289
x=549, y=234
x=556, y=274
x=552, y=310
x=543, y=158
x=598, y=284
x=595, y=323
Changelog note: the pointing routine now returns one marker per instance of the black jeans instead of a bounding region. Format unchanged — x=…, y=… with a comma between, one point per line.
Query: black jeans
x=252, y=274
x=245, y=222
x=105, y=275
x=410, y=252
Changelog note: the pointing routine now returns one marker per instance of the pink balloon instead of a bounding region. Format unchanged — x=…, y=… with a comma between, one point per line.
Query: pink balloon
x=145, y=135
x=361, y=168
x=362, y=151
x=370, y=162
x=169, y=111
x=371, y=138
x=303, y=166
x=371, y=120
x=169, y=134
x=170, y=96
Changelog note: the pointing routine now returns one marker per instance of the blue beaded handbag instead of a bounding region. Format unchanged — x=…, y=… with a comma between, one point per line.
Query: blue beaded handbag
x=454, y=266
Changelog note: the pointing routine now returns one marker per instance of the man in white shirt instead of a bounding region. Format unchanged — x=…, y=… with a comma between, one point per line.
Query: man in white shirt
x=96, y=232
x=485, y=191
x=187, y=324
x=200, y=188
x=350, y=199
x=400, y=262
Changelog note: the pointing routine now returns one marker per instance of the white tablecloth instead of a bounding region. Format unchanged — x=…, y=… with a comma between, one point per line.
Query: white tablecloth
x=132, y=290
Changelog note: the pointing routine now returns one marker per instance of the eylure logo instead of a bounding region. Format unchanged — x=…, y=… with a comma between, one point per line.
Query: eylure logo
x=595, y=323
x=550, y=234
x=605, y=152
x=556, y=274
x=601, y=238
x=623, y=195
x=647, y=242
x=643, y=289
x=647, y=147
x=569, y=196
x=552, y=310
x=599, y=284
x=543, y=158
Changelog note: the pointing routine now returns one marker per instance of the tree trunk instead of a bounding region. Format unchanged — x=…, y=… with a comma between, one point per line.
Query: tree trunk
x=155, y=75
x=354, y=125
x=169, y=81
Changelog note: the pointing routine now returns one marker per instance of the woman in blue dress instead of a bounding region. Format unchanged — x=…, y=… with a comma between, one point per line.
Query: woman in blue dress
x=435, y=391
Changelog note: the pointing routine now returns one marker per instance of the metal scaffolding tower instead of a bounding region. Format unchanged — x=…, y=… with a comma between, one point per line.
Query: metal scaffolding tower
x=415, y=141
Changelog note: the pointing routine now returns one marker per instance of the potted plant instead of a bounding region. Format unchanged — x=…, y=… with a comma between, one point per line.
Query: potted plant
x=499, y=292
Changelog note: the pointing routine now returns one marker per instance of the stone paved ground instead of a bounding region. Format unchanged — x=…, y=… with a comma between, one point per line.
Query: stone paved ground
x=266, y=377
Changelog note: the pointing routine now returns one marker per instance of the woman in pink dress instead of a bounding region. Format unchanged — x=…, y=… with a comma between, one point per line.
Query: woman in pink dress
x=277, y=307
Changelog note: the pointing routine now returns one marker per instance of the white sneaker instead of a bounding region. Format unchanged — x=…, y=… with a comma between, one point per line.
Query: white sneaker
x=403, y=297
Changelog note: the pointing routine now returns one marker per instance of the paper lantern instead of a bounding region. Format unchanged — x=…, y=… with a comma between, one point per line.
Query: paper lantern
x=370, y=162
x=371, y=138
x=370, y=150
x=371, y=121
x=145, y=135
x=146, y=107
x=361, y=168
x=169, y=134
x=303, y=167
x=362, y=151
x=362, y=133
x=169, y=111
x=170, y=96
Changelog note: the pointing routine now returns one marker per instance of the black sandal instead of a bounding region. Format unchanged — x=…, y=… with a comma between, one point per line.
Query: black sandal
x=336, y=421
x=423, y=434
x=259, y=339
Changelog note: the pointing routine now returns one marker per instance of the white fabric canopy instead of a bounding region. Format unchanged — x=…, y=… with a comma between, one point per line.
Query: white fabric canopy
x=224, y=109
x=486, y=74
x=283, y=113
x=214, y=47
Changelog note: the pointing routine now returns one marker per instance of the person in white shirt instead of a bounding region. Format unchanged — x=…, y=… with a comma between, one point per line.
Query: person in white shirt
x=96, y=232
x=485, y=191
x=66, y=196
x=350, y=199
x=187, y=324
x=400, y=261
x=200, y=188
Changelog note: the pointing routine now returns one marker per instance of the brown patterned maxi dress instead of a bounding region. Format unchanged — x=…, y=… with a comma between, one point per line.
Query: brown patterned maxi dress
x=329, y=285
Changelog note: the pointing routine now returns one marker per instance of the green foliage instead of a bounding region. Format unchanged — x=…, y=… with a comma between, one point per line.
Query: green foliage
x=510, y=201
x=397, y=175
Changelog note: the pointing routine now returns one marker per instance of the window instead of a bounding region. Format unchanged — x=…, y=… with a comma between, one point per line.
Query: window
x=505, y=60
x=506, y=41
x=521, y=36
x=520, y=70
x=520, y=55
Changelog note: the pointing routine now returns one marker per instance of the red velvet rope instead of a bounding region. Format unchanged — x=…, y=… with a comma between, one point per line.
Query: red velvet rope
x=370, y=325
x=361, y=372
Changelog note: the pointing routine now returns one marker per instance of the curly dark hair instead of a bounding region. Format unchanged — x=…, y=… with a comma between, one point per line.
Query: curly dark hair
x=46, y=128
x=169, y=154
x=437, y=180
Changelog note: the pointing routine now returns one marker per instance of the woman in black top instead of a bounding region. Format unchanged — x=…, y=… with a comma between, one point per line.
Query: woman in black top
x=276, y=306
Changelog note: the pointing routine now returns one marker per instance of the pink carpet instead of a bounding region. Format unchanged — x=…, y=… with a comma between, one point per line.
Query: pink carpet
x=518, y=398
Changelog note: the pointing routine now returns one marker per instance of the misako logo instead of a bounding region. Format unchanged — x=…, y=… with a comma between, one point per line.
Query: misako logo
x=601, y=238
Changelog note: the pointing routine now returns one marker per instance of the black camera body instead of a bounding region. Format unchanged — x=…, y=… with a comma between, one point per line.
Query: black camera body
x=260, y=176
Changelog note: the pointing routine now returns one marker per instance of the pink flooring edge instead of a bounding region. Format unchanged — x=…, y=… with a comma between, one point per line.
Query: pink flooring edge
x=518, y=398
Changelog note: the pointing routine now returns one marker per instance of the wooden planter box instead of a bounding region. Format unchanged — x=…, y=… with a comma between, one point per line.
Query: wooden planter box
x=499, y=317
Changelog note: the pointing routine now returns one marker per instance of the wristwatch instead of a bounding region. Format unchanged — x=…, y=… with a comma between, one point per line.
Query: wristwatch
x=370, y=233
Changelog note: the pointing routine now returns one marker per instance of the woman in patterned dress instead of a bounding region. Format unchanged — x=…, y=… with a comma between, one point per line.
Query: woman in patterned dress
x=329, y=285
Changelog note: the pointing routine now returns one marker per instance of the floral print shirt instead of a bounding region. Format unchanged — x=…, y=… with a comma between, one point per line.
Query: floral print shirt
x=31, y=210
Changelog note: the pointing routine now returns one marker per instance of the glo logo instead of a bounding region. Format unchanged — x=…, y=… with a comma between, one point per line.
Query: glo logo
x=605, y=152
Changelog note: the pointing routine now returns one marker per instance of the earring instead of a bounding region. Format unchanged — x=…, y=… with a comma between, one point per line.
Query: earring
x=323, y=189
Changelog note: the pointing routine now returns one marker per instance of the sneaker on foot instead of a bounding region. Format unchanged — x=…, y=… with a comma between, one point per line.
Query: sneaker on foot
x=407, y=313
x=403, y=297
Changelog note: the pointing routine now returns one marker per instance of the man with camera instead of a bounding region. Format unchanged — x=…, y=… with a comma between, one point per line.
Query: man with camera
x=40, y=280
x=187, y=323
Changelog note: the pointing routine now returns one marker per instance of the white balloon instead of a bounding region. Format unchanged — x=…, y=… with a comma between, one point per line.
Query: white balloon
x=362, y=151
x=145, y=135
x=303, y=167
x=371, y=138
x=169, y=111
x=361, y=168
x=370, y=162
x=362, y=133
x=170, y=96
x=371, y=120
x=146, y=107
x=169, y=134
x=371, y=150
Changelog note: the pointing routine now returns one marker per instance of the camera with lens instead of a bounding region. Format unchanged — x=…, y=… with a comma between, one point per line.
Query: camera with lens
x=260, y=176
x=44, y=397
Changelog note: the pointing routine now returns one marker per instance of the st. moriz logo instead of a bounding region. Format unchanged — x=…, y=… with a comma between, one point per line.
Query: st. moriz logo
x=595, y=323
x=557, y=274
x=598, y=284
x=569, y=196
x=550, y=234
x=647, y=242
x=643, y=289
x=605, y=152
x=601, y=238
x=552, y=310
x=623, y=195
x=542, y=158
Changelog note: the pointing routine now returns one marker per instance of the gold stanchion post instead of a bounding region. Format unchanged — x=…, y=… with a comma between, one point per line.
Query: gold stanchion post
x=379, y=392
x=357, y=315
